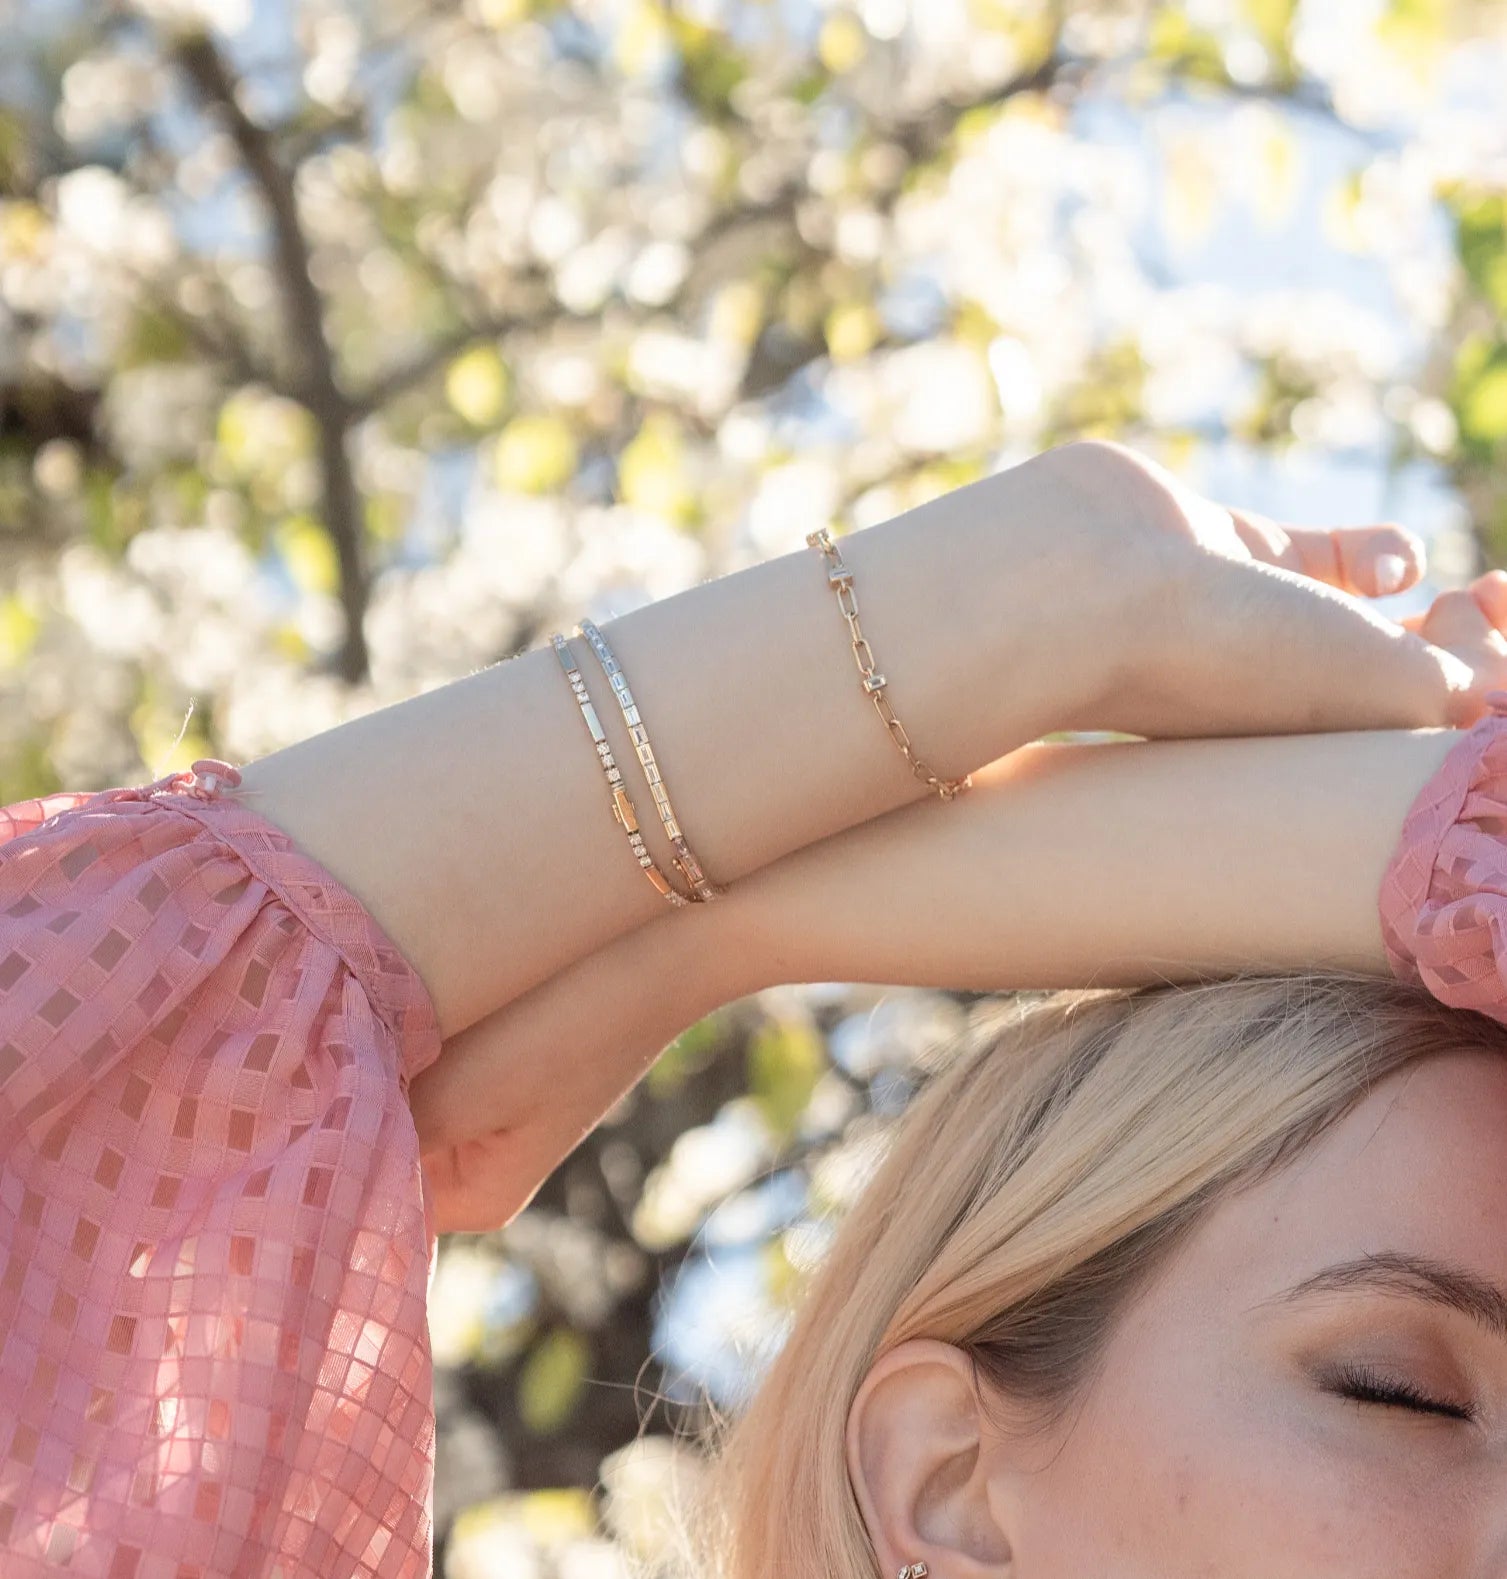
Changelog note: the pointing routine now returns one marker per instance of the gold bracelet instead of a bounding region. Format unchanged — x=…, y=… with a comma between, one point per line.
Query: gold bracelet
x=622, y=807
x=690, y=868
x=840, y=579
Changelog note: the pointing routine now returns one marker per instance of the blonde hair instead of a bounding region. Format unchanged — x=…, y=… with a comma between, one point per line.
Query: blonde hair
x=1038, y=1180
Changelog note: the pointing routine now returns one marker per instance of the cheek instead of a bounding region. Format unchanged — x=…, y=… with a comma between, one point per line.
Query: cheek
x=1169, y=1477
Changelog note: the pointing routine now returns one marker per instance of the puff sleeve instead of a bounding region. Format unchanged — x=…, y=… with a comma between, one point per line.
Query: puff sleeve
x=215, y=1241
x=1443, y=899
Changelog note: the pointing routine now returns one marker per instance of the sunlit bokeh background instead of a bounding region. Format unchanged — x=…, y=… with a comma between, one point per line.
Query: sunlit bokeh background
x=347, y=346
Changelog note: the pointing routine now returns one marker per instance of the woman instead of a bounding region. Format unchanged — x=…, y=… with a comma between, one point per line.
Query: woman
x=238, y=1006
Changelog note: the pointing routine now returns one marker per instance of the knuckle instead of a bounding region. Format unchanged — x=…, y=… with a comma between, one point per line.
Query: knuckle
x=1105, y=453
x=1103, y=447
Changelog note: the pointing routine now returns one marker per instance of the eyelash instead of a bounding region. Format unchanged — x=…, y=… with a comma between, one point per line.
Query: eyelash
x=1367, y=1386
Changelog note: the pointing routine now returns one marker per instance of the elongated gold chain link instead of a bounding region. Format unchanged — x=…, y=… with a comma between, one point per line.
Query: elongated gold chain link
x=841, y=580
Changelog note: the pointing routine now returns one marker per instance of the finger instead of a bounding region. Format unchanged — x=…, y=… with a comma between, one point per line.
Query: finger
x=1455, y=620
x=1490, y=591
x=1490, y=594
x=1267, y=541
x=1371, y=561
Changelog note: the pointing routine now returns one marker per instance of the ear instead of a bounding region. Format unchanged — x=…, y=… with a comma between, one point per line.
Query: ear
x=926, y=1467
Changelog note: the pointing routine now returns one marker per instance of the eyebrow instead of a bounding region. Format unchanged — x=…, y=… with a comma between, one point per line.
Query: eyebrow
x=1397, y=1272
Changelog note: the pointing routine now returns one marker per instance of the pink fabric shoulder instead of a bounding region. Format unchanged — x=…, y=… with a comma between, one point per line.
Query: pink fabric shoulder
x=1443, y=898
x=215, y=1242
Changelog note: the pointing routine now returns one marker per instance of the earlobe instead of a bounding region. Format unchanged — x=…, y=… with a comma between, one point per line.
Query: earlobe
x=916, y=1457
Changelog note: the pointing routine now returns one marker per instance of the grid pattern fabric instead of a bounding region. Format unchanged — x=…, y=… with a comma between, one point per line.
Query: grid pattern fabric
x=1443, y=898
x=215, y=1241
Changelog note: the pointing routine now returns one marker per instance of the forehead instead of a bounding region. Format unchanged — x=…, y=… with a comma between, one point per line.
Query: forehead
x=1418, y=1164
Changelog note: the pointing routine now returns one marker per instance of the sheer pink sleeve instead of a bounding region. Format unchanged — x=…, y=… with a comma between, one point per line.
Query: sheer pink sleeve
x=1444, y=896
x=215, y=1242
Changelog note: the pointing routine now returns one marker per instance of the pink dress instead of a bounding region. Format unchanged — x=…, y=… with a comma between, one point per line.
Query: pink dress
x=215, y=1237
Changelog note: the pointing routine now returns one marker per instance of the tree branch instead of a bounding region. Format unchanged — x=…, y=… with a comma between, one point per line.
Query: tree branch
x=318, y=385
x=404, y=375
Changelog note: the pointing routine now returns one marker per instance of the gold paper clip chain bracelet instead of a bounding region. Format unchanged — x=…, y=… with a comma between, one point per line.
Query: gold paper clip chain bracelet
x=841, y=580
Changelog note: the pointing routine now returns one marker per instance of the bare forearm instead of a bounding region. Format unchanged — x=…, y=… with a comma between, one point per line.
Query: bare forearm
x=475, y=821
x=1067, y=865
x=1106, y=865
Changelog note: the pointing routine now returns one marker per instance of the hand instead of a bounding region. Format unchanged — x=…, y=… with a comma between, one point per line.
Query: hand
x=1247, y=625
x=1469, y=623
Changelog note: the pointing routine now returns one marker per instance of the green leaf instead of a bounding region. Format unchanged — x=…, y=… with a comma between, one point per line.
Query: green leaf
x=1481, y=408
x=308, y=553
x=481, y=1533
x=1414, y=26
x=710, y=65
x=20, y=625
x=552, y=1380
x=535, y=454
x=785, y=1061
x=1107, y=400
x=687, y=1055
x=1492, y=533
x=556, y=1514
x=385, y=517
x=153, y=336
x=651, y=471
x=25, y=228
x=1272, y=21
x=808, y=88
x=1476, y=394
x=1481, y=241
x=477, y=385
x=1192, y=51
x=782, y=1279
x=842, y=42
x=15, y=146
x=852, y=330
x=973, y=324
x=26, y=770
x=233, y=432
x=106, y=530
x=1472, y=356
x=290, y=642
x=191, y=488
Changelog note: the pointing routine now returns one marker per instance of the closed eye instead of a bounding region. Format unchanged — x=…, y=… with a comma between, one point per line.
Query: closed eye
x=1366, y=1385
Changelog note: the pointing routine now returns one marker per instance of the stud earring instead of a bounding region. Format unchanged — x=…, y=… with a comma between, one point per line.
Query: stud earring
x=914, y=1571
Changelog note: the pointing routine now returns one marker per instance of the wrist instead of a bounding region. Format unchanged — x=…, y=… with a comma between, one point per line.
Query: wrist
x=729, y=951
x=1009, y=608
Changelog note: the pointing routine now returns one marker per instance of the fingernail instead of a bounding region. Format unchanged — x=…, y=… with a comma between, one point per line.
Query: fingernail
x=1391, y=572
